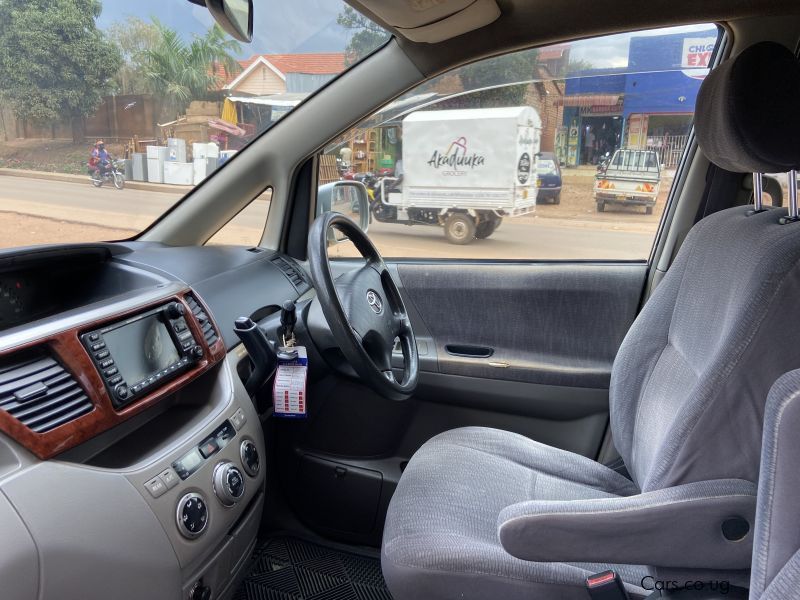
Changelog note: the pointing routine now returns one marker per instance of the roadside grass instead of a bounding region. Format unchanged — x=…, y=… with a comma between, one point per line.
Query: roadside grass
x=52, y=156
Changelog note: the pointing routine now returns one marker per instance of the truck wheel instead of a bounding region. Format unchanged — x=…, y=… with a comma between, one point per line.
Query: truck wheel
x=487, y=228
x=648, y=210
x=601, y=207
x=459, y=229
x=557, y=198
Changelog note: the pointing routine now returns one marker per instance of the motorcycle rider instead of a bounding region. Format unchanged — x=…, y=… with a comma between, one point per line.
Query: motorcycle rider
x=99, y=160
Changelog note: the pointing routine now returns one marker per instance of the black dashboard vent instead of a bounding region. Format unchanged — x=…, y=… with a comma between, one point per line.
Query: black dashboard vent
x=293, y=272
x=39, y=392
x=209, y=333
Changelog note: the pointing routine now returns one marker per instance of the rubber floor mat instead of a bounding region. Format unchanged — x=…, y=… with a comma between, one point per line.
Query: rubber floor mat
x=290, y=569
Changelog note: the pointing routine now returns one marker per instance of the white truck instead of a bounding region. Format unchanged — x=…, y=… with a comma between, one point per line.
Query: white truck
x=464, y=170
x=631, y=178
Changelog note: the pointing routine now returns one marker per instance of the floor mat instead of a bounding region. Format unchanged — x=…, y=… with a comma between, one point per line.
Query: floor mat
x=291, y=569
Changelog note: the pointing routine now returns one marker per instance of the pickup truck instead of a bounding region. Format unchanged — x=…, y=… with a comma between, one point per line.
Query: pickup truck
x=632, y=178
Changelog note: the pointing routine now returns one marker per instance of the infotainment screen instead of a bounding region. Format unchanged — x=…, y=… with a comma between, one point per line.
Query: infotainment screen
x=141, y=348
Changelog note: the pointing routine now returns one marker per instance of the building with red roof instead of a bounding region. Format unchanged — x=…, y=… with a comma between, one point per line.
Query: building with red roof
x=265, y=74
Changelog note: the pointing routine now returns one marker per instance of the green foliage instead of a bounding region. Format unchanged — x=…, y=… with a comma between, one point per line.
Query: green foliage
x=366, y=37
x=133, y=36
x=180, y=73
x=577, y=66
x=499, y=81
x=54, y=62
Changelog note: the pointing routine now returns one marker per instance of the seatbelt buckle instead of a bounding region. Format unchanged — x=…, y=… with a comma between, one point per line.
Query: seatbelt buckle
x=606, y=586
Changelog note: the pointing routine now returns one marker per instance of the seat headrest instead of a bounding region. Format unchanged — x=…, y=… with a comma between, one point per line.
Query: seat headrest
x=747, y=118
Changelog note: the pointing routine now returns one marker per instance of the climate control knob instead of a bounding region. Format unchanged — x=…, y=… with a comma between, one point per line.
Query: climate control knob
x=228, y=482
x=250, y=459
x=192, y=515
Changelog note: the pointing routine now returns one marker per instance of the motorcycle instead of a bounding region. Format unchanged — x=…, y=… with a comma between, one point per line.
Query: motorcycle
x=602, y=164
x=112, y=170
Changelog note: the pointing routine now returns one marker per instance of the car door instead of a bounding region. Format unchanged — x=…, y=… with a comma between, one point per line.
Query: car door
x=517, y=326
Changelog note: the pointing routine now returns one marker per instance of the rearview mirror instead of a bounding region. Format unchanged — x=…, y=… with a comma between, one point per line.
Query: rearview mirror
x=234, y=16
x=348, y=198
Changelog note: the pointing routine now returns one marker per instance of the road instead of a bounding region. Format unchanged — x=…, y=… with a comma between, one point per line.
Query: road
x=83, y=212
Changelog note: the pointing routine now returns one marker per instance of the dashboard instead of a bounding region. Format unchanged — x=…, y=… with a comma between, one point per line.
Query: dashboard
x=121, y=400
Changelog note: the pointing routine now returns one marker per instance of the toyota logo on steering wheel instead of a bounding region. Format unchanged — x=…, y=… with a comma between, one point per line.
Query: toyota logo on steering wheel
x=374, y=301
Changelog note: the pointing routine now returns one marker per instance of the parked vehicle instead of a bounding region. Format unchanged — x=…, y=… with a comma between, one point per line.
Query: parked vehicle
x=548, y=179
x=465, y=171
x=113, y=171
x=632, y=178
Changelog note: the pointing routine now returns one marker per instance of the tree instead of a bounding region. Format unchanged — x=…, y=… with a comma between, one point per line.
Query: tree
x=575, y=67
x=179, y=72
x=366, y=37
x=133, y=36
x=502, y=80
x=54, y=62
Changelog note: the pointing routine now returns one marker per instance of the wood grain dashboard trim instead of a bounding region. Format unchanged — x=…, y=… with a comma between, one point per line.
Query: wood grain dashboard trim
x=67, y=348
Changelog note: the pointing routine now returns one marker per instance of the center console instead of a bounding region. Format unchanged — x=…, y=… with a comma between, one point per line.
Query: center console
x=159, y=453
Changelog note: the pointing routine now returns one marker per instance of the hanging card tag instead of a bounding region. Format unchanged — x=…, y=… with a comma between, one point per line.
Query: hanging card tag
x=289, y=389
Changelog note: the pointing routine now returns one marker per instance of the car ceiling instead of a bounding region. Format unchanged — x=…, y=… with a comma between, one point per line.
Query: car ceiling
x=525, y=23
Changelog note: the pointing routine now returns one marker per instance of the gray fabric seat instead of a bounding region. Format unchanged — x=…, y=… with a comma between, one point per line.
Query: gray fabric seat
x=481, y=513
x=455, y=526
x=776, y=552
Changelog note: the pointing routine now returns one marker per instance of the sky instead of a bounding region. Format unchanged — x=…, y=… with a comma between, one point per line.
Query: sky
x=612, y=51
x=298, y=26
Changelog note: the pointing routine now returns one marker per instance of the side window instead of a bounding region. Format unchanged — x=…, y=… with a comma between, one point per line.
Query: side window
x=561, y=152
x=246, y=228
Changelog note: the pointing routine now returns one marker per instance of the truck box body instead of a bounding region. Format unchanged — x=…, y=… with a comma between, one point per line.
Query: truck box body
x=482, y=159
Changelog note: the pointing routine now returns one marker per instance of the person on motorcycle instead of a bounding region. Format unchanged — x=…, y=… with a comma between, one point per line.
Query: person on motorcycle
x=100, y=159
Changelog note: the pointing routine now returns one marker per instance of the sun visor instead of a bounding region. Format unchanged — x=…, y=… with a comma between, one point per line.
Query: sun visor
x=431, y=21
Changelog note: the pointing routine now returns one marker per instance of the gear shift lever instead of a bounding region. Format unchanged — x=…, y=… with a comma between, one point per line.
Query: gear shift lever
x=288, y=321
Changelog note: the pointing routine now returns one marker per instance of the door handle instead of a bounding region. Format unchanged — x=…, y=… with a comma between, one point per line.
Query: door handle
x=468, y=351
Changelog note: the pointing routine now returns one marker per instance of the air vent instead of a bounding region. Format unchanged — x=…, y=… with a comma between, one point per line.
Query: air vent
x=293, y=273
x=36, y=390
x=209, y=333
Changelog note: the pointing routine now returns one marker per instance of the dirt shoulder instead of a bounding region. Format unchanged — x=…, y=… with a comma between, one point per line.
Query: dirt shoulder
x=52, y=156
x=25, y=230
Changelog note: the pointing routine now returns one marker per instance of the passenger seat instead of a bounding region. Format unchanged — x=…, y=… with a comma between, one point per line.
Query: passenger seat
x=775, y=573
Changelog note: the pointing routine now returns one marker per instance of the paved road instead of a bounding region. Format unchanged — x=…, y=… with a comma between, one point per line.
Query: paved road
x=526, y=238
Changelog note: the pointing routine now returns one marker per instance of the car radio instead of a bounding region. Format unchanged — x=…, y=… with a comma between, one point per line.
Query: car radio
x=135, y=355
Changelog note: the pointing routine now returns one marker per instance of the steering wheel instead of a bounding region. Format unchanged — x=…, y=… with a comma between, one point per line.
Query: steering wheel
x=364, y=310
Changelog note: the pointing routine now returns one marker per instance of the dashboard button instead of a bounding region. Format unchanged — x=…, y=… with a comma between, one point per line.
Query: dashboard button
x=175, y=310
x=115, y=380
x=238, y=419
x=156, y=487
x=93, y=337
x=111, y=372
x=98, y=346
x=106, y=363
x=102, y=354
x=170, y=478
x=209, y=447
x=122, y=392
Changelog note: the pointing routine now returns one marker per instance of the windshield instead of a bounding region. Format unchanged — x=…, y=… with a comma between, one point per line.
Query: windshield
x=151, y=97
